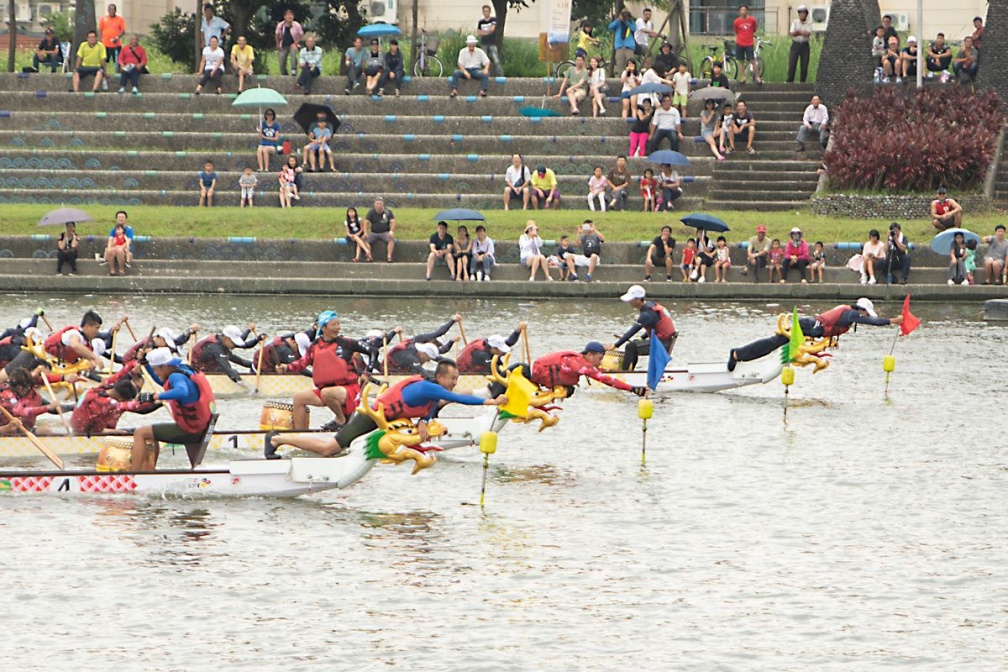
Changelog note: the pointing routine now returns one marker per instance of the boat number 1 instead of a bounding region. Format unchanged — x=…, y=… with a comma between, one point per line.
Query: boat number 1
x=234, y=441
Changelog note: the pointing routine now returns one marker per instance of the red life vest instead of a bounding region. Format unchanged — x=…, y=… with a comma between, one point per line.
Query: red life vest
x=12, y=402
x=547, y=370
x=392, y=354
x=665, y=328
x=394, y=406
x=54, y=345
x=829, y=319
x=96, y=413
x=328, y=366
x=197, y=350
x=465, y=358
x=193, y=418
x=269, y=358
x=6, y=340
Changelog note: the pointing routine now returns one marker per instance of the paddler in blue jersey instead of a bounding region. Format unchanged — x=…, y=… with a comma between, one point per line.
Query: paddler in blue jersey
x=412, y=398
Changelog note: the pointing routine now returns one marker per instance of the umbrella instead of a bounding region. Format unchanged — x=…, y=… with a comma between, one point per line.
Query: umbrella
x=309, y=112
x=379, y=30
x=669, y=156
x=259, y=97
x=650, y=87
x=714, y=93
x=460, y=215
x=699, y=220
x=537, y=112
x=942, y=243
x=64, y=215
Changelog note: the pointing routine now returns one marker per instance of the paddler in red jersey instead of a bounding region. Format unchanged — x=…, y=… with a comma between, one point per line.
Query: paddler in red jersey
x=564, y=369
x=654, y=319
x=215, y=353
x=22, y=400
x=475, y=358
x=101, y=407
x=412, y=398
x=72, y=344
x=283, y=349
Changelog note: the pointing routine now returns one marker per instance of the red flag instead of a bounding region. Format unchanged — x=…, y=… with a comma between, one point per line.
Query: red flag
x=910, y=321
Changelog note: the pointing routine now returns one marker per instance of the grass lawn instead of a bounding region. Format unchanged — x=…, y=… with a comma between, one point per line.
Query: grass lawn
x=418, y=223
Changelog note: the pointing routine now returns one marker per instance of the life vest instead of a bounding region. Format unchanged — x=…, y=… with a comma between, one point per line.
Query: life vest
x=548, y=370
x=392, y=357
x=193, y=418
x=396, y=409
x=10, y=401
x=269, y=355
x=465, y=358
x=131, y=354
x=829, y=320
x=54, y=345
x=329, y=367
x=665, y=328
x=197, y=349
x=96, y=413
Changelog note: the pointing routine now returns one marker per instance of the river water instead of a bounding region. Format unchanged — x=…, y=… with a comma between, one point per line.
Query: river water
x=866, y=534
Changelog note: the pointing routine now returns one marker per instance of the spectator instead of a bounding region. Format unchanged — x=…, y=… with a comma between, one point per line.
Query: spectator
x=591, y=248
x=891, y=60
x=118, y=246
x=908, y=59
x=649, y=191
x=381, y=226
x=247, y=183
x=723, y=261
x=309, y=64
x=112, y=27
x=643, y=32
x=651, y=76
x=291, y=182
x=706, y=256
x=666, y=63
x=878, y=45
x=624, y=43
x=660, y=252
x=801, y=31
x=269, y=139
x=48, y=52
x=213, y=26
x=441, y=247
x=597, y=86
x=463, y=254
x=966, y=64
x=242, y=58
x=563, y=257
x=618, y=180
x=530, y=247
x=996, y=256
x=710, y=126
x=888, y=31
x=978, y=32
x=211, y=66
x=630, y=78
x=90, y=62
x=775, y=261
x=873, y=254
x=724, y=129
x=132, y=64
x=718, y=78
x=969, y=262
x=796, y=255
x=687, y=260
x=758, y=252
x=745, y=38
x=597, y=189
x=472, y=62
x=640, y=128
x=517, y=180
x=374, y=68
x=939, y=56
x=575, y=82
x=318, y=143
x=66, y=249
x=957, y=260
x=818, y=264
x=743, y=127
x=898, y=257
x=486, y=28
x=288, y=36
x=355, y=232
x=543, y=189
x=814, y=121
x=681, y=85
x=395, y=69
x=666, y=123
x=121, y=218
x=671, y=187
x=353, y=61
x=482, y=255
x=946, y=213
x=586, y=39
x=208, y=182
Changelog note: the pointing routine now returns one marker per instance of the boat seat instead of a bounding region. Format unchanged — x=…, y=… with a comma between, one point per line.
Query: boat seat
x=196, y=451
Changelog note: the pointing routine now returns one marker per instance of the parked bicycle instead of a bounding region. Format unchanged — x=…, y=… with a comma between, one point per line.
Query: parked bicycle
x=729, y=65
x=427, y=63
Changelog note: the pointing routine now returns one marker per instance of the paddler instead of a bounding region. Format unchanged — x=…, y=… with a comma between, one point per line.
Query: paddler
x=189, y=398
x=72, y=344
x=337, y=385
x=475, y=358
x=22, y=400
x=565, y=368
x=375, y=340
x=13, y=338
x=215, y=353
x=283, y=349
x=654, y=319
x=101, y=407
x=412, y=398
x=164, y=337
x=410, y=355
x=831, y=324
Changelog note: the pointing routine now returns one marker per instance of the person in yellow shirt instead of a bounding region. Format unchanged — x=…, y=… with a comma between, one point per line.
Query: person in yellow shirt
x=91, y=57
x=112, y=28
x=242, y=58
x=544, y=190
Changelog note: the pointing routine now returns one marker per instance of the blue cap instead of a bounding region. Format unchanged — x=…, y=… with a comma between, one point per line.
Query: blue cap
x=595, y=346
x=327, y=316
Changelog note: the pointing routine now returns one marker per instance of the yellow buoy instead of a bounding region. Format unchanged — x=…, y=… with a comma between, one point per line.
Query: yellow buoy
x=787, y=376
x=488, y=443
x=645, y=409
x=888, y=363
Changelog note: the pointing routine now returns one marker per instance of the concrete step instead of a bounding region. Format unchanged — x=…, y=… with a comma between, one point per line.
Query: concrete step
x=769, y=188
x=714, y=202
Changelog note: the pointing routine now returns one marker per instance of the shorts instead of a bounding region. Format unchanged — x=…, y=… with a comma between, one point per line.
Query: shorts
x=706, y=133
x=371, y=72
x=269, y=147
x=705, y=259
x=373, y=237
x=581, y=52
x=248, y=192
x=515, y=191
x=744, y=53
x=290, y=185
x=726, y=263
x=582, y=260
x=87, y=71
x=743, y=136
x=680, y=99
x=169, y=432
x=319, y=147
x=352, y=397
x=539, y=193
x=577, y=94
x=356, y=426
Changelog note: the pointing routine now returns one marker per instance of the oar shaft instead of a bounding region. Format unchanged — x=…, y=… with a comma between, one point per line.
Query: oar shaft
x=486, y=465
x=262, y=349
x=643, y=448
x=130, y=329
x=44, y=319
x=54, y=400
x=465, y=341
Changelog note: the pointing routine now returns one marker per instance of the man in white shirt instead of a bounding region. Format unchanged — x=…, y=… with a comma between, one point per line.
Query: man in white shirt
x=666, y=123
x=472, y=62
x=644, y=30
x=814, y=122
x=801, y=29
x=212, y=25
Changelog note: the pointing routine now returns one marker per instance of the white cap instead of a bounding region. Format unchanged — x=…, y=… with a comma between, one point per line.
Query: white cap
x=34, y=334
x=796, y=230
x=234, y=333
x=98, y=346
x=25, y=323
x=428, y=349
x=866, y=305
x=497, y=341
x=471, y=39
x=802, y=8
x=303, y=342
x=162, y=357
x=635, y=292
x=374, y=333
x=167, y=334
x=911, y=39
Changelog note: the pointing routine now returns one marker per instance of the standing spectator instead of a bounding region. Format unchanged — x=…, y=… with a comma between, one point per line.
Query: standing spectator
x=482, y=255
x=796, y=255
x=115, y=255
x=597, y=189
x=242, y=58
x=381, y=226
x=624, y=43
x=132, y=64
x=630, y=79
x=288, y=36
x=48, y=52
x=486, y=28
x=671, y=187
x=66, y=249
x=666, y=123
x=996, y=256
x=666, y=63
x=374, y=68
x=743, y=127
x=814, y=120
x=530, y=247
x=889, y=31
x=966, y=64
x=758, y=252
x=946, y=213
x=441, y=247
x=899, y=255
x=681, y=85
x=463, y=254
x=873, y=255
x=395, y=69
x=801, y=30
x=618, y=180
x=978, y=32
x=775, y=261
x=355, y=232
x=878, y=45
x=718, y=78
x=517, y=181
x=710, y=127
x=208, y=182
x=891, y=60
x=649, y=191
x=309, y=64
x=908, y=60
x=660, y=252
x=544, y=190
x=112, y=27
x=745, y=39
x=90, y=62
x=353, y=60
x=643, y=32
x=575, y=81
x=269, y=139
x=472, y=62
x=212, y=26
x=318, y=144
x=591, y=248
x=640, y=128
x=247, y=183
x=586, y=40
x=939, y=56
x=211, y=66
x=597, y=87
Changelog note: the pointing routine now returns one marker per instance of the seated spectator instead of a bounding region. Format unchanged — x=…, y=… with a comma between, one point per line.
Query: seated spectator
x=908, y=59
x=597, y=86
x=355, y=232
x=966, y=64
x=724, y=128
x=67, y=245
x=482, y=255
x=269, y=139
x=597, y=189
x=48, y=52
x=207, y=184
x=291, y=182
x=472, y=62
x=544, y=191
x=591, y=249
x=873, y=256
x=814, y=122
x=211, y=66
x=796, y=255
x=132, y=64
x=309, y=64
x=90, y=62
x=758, y=252
x=395, y=69
x=706, y=256
x=640, y=128
x=710, y=126
x=118, y=245
x=247, y=182
x=666, y=123
x=121, y=218
x=353, y=61
x=996, y=257
x=630, y=79
x=530, y=247
x=650, y=76
x=743, y=128
x=939, y=56
x=575, y=83
x=463, y=254
x=318, y=143
x=618, y=180
x=563, y=257
x=891, y=60
x=718, y=78
x=687, y=260
x=723, y=260
x=374, y=68
x=442, y=245
x=661, y=253
x=946, y=213
x=670, y=187
x=381, y=225
x=818, y=264
x=649, y=191
x=666, y=63
x=898, y=258
x=957, y=260
x=517, y=182
x=242, y=58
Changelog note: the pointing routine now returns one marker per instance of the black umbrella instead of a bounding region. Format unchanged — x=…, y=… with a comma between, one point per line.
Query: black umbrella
x=308, y=114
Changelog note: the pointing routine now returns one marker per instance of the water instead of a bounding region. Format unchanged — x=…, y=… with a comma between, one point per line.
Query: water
x=867, y=534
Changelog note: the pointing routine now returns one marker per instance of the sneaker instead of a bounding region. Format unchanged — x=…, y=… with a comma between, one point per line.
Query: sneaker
x=668, y=278
x=269, y=450
x=346, y=91
x=397, y=92
x=486, y=278
x=128, y=265
x=951, y=281
x=104, y=84
x=872, y=281
x=588, y=278
x=694, y=275
x=572, y=277
x=612, y=203
x=135, y=91
x=331, y=426
x=899, y=80
x=122, y=89
x=702, y=280
x=647, y=278
x=864, y=278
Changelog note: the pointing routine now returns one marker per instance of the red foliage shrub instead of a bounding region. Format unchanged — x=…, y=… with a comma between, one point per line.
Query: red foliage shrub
x=914, y=142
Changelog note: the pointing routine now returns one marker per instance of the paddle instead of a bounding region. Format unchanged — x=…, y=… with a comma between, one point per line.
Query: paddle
x=192, y=342
x=130, y=329
x=525, y=345
x=262, y=349
x=54, y=400
x=41, y=313
x=115, y=338
x=53, y=457
x=384, y=342
x=465, y=341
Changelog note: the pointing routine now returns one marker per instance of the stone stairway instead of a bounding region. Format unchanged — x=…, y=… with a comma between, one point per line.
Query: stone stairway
x=1000, y=195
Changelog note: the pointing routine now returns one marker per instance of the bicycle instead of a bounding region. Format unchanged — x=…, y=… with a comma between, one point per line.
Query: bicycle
x=729, y=65
x=427, y=63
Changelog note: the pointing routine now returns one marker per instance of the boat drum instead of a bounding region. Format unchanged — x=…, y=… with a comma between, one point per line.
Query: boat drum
x=116, y=454
x=278, y=417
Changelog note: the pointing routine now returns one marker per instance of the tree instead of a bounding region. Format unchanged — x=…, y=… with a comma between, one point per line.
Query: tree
x=84, y=21
x=501, y=8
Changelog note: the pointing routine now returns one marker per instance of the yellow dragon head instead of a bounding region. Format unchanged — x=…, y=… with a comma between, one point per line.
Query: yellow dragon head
x=397, y=440
x=811, y=352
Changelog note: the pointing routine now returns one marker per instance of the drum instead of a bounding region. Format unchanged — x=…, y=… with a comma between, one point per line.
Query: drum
x=611, y=361
x=278, y=417
x=115, y=455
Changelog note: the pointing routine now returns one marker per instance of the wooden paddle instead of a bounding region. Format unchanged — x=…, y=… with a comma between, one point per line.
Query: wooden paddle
x=525, y=346
x=53, y=457
x=262, y=349
x=192, y=342
x=130, y=329
x=384, y=343
x=115, y=338
x=54, y=400
x=42, y=315
x=465, y=341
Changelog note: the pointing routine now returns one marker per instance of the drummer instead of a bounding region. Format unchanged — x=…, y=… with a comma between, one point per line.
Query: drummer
x=101, y=407
x=190, y=401
x=215, y=353
x=22, y=400
x=284, y=349
x=654, y=319
x=412, y=398
x=410, y=355
x=475, y=358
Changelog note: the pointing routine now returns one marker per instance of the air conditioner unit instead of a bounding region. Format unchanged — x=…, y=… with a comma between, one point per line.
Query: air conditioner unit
x=901, y=21
x=22, y=11
x=46, y=9
x=819, y=17
x=383, y=11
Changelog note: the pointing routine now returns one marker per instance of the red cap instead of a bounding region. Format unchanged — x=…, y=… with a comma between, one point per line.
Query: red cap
x=760, y=229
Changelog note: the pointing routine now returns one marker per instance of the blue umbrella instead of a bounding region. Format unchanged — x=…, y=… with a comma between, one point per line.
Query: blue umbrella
x=668, y=156
x=379, y=30
x=700, y=220
x=460, y=215
x=650, y=87
x=942, y=243
x=537, y=112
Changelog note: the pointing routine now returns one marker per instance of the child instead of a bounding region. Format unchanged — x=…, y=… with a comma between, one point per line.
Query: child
x=726, y=120
x=208, y=180
x=564, y=256
x=688, y=255
x=649, y=191
x=596, y=189
x=818, y=261
x=776, y=262
x=681, y=86
x=585, y=40
x=248, y=183
x=969, y=262
x=878, y=45
x=723, y=262
x=318, y=145
x=288, y=186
